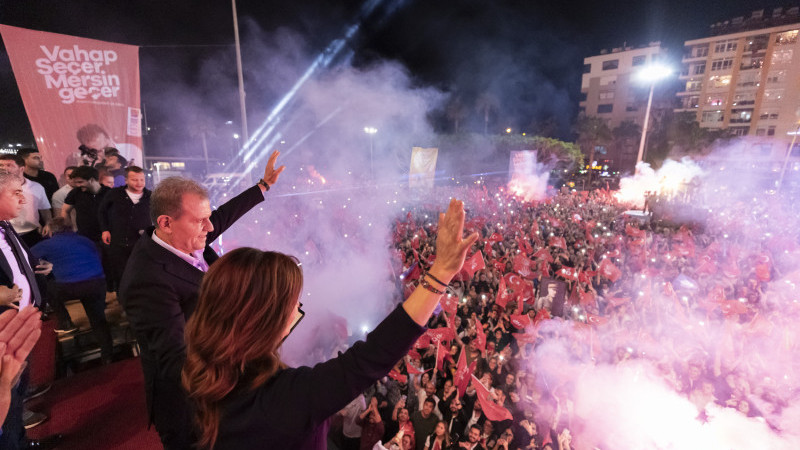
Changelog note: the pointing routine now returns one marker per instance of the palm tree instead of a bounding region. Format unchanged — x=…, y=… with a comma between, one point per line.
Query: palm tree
x=592, y=132
x=456, y=111
x=486, y=103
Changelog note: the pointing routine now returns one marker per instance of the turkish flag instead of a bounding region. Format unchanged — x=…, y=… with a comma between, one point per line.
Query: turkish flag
x=499, y=265
x=413, y=354
x=449, y=304
x=596, y=320
x=608, y=270
x=568, y=273
x=514, y=282
x=415, y=242
x=395, y=375
x=495, y=237
x=474, y=264
x=616, y=301
x=463, y=373
x=491, y=410
x=487, y=250
x=520, y=321
x=480, y=337
x=502, y=294
x=558, y=242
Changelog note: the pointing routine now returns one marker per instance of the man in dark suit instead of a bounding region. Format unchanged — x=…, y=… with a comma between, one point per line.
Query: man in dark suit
x=18, y=284
x=160, y=285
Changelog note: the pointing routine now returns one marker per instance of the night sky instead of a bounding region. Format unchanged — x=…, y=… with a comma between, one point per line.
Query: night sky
x=528, y=54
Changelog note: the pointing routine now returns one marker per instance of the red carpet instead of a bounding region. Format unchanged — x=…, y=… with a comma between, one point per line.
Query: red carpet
x=102, y=408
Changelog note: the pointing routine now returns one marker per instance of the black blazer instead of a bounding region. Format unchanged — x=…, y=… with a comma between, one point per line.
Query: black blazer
x=7, y=277
x=291, y=410
x=158, y=291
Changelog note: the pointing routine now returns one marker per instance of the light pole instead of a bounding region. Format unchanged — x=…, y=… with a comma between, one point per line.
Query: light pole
x=649, y=74
x=371, y=132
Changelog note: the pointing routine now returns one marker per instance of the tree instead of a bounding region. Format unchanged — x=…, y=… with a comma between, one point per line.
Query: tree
x=456, y=112
x=592, y=131
x=625, y=143
x=486, y=103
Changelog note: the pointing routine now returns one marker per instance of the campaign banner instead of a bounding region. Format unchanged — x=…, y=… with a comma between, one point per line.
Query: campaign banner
x=423, y=167
x=81, y=96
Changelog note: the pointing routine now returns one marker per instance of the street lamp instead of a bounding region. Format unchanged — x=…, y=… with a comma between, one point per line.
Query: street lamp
x=651, y=74
x=371, y=132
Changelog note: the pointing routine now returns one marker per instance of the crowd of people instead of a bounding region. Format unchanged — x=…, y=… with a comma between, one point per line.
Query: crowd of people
x=550, y=291
x=61, y=243
x=696, y=302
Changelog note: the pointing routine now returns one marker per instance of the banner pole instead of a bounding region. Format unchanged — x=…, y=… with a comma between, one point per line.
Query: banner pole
x=245, y=135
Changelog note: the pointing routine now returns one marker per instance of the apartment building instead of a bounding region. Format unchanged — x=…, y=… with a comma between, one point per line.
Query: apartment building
x=744, y=77
x=610, y=90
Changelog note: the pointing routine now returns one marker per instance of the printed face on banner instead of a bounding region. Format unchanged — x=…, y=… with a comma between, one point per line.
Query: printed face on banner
x=551, y=296
x=81, y=96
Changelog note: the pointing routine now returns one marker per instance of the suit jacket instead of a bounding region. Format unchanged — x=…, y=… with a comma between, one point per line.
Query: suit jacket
x=7, y=277
x=159, y=293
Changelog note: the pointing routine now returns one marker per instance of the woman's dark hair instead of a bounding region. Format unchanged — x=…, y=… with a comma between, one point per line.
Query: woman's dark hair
x=246, y=301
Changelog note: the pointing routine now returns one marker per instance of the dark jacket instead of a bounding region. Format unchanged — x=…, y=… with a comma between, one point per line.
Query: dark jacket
x=291, y=410
x=159, y=292
x=124, y=220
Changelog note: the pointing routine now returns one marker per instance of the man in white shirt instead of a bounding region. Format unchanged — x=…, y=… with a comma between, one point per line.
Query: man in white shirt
x=36, y=208
x=57, y=201
x=17, y=273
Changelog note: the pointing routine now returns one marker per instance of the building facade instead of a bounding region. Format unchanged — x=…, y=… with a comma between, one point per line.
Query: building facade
x=744, y=77
x=609, y=90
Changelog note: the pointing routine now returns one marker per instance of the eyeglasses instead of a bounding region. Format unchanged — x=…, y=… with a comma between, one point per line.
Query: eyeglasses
x=298, y=316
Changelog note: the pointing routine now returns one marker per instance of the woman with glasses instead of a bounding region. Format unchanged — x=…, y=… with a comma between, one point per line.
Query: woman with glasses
x=244, y=396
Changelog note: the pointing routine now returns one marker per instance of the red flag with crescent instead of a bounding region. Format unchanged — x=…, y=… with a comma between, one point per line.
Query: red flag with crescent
x=514, y=282
x=596, y=320
x=495, y=237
